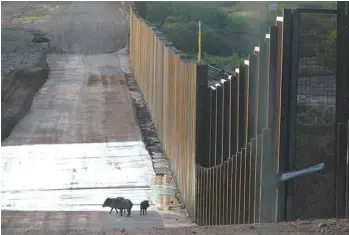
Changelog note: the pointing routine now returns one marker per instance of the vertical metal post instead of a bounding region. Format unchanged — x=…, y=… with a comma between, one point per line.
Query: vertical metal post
x=253, y=171
x=213, y=125
x=202, y=116
x=243, y=120
x=226, y=119
x=290, y=71
x=268, y=179
x=234, y=113
x=226, y=204
x=199, y=43
x=263, y=85
x=239, y=190
x=244, y=180
x=230, y=197
x=342, y=112
x=199, y=196
x=347, y=176
x=248, y=176
x=219, y=131
x=258, y=168
x=272, y=50
x=222, y=186
x=252, y=96
x=216, y=195
x=286, y=161
x=272, y=77
x=236, y=188
x=211, y=201
x=206, y=201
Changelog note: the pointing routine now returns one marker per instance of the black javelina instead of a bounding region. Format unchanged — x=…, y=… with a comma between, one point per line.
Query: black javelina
x=144, y=206
x=125, y=204
x=112, y=203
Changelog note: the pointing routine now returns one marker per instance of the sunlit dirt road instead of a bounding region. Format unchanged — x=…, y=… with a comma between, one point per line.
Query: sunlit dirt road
x=80, y=142
x=63, y=187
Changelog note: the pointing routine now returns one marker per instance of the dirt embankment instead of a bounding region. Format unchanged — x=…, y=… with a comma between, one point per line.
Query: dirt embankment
x=24, y=70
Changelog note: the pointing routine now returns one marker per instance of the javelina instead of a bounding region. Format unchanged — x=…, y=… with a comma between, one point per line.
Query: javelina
x=144, y=206
x=125, y=204
x=113, y=203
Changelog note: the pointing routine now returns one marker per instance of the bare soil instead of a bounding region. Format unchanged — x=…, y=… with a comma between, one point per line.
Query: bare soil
x=71, y=27
x=329, y=226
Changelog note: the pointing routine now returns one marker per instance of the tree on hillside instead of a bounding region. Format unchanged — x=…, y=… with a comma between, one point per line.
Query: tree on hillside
x=222, y=34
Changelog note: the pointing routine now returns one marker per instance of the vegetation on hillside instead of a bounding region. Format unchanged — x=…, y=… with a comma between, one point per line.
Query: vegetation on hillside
x=230, y=30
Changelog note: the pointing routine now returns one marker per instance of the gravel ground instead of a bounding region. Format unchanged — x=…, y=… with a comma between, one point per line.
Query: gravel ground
x=17, y=47
x=331, y=227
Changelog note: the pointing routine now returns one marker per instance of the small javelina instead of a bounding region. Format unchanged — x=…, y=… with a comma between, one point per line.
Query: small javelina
x=113, y=203
x=144, y=206
x=125, y=204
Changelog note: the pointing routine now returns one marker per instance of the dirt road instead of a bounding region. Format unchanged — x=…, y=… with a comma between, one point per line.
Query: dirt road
x=85, y=100
x=80, y=142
